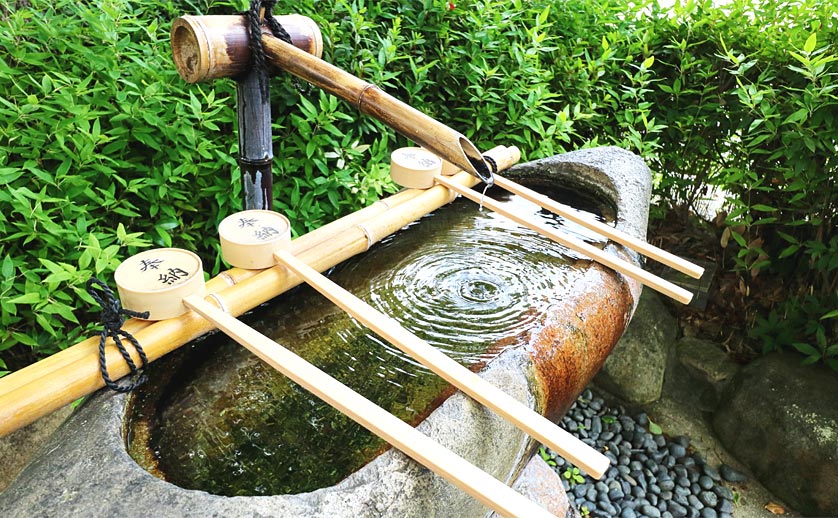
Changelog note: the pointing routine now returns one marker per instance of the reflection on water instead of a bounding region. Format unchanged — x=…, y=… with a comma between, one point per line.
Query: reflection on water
x=467, y=280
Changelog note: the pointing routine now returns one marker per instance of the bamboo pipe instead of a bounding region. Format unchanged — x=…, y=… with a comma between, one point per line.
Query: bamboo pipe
x=638, y=245
x=368, y=98
x=534, y=424
x=371, y=100
x=656, y=283
x=488, y=490
x=59, y=380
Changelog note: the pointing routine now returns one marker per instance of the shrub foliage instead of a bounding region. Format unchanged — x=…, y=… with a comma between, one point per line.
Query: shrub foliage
x=106, y=151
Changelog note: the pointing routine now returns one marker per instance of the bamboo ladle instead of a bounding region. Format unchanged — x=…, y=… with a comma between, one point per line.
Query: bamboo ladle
x=638, y=245
x=420, y=169
x=244, y=243
x=169, y=282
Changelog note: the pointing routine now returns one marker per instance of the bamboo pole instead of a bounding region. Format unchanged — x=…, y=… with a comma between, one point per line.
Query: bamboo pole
x=60, y=379
x=442, y=461
x=190, y=33
x=638, y=245
x=534, y=424
x=656, y=283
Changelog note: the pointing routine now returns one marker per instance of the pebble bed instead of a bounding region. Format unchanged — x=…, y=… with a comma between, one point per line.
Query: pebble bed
x=650, y=475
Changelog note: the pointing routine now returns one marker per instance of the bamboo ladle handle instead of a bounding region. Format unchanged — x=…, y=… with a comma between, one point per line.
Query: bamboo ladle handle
x=534, y=424
x=474, y=481
x=610, y=232
x=656, y=283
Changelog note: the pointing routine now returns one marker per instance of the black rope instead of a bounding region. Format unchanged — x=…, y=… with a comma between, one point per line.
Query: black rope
x=492, y=163
x=111, y=316
x=254, y=22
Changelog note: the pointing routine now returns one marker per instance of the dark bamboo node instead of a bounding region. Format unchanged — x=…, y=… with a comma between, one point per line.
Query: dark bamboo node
x=215, y=46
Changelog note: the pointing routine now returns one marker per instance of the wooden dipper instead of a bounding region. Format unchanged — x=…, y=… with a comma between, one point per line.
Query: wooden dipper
x=419, y=177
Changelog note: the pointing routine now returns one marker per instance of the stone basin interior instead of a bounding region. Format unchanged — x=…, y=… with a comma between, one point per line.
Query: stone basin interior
x=215, y=418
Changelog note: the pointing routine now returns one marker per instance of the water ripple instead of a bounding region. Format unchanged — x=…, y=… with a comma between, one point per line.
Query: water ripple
x=467, y=278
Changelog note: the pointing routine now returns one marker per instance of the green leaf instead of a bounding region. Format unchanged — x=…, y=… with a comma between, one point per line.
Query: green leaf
x=811, y=43
x=739, y=239
x=544, y=455
x=797, y=116
x=7, y=269
x=831, y=314
x=789, y=250
x=654, y=428
x=809, y=360
x=27, y=298
x=806, y=349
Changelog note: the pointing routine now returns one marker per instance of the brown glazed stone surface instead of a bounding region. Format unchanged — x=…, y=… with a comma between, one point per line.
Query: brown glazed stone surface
x=577, y=337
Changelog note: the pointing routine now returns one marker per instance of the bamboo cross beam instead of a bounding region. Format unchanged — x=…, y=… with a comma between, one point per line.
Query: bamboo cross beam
x=534, y=424
x=647, y=279
x=638, y=245
x=488, y=490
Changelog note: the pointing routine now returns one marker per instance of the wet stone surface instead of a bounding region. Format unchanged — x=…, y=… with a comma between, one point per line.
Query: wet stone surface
x=650, y=475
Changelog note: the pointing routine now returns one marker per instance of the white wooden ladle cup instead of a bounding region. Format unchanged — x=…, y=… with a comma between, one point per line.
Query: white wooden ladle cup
x=537, y=426
x=169, y=282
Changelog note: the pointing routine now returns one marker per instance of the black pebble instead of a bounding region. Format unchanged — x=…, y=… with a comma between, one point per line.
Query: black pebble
x=708, y=498
x=649, y=475
x=732, y=475
x=712, y=472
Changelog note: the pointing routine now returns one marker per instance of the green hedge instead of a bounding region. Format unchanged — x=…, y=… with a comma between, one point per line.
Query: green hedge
x=105, y=149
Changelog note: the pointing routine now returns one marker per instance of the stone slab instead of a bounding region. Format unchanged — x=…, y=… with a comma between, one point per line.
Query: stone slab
x=635, y=370
x=781, y=419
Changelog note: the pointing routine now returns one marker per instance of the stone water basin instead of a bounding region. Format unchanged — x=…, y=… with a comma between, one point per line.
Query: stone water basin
x=224, y=434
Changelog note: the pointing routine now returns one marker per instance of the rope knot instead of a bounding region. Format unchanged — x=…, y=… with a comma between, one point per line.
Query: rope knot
x=255, y=17
x=112, y=317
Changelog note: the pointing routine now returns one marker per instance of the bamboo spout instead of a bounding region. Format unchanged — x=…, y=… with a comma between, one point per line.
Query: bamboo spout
x=206, y=47
x=371, y=100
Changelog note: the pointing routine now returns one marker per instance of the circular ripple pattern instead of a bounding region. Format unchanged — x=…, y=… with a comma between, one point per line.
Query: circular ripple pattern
x=650, y=475
x=464, y=280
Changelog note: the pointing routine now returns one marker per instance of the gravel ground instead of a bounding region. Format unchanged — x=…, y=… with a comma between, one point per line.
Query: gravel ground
x=650, y=475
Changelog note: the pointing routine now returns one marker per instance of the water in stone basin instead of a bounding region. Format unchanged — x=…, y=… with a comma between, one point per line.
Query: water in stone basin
x=468, y=281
